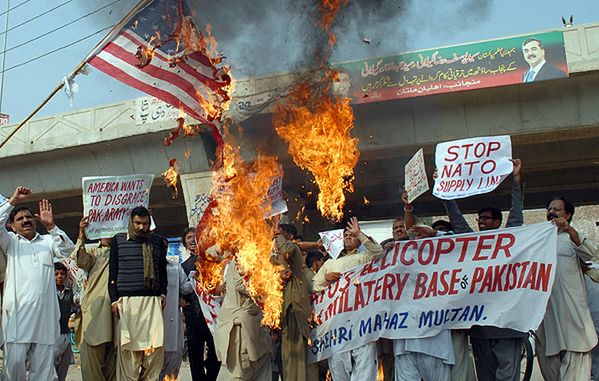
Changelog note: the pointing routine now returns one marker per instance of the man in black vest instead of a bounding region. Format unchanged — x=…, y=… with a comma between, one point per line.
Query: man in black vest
x=137, y=287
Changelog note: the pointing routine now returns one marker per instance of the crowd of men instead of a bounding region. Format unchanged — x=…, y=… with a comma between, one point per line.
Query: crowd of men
x=139, y=308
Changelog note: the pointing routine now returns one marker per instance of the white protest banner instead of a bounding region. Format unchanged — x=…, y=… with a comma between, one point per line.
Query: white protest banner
x=332, y=240
x=501, y=278
x=108, y=201
x=416, y=182
x=472, y=166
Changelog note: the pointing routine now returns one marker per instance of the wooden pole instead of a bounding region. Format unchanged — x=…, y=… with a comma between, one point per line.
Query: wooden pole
x=107, y=38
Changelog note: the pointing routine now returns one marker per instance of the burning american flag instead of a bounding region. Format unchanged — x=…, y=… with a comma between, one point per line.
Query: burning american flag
x=158, y=49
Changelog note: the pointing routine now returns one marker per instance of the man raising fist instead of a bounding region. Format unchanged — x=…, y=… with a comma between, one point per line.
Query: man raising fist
x=30, y=310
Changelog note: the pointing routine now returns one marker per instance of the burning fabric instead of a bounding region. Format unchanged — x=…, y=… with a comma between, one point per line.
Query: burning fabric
x=235, y=224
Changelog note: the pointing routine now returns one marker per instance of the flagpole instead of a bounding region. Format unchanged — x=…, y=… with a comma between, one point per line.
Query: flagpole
x=117, y=27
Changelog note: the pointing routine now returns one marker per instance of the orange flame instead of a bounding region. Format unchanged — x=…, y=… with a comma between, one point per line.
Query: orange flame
x=170, y=176
x=152, y=348
x=381, y=372
x=238, y=226
x=317, y=127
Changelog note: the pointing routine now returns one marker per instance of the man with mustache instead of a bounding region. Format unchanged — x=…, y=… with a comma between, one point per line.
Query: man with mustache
x=30, y=308
x=360, y=363
x=539, y=69
x=567, y=335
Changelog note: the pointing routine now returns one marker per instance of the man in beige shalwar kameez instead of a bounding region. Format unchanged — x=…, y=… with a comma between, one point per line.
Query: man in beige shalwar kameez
x=567, y=335
x=242, y=345
x=94, y=329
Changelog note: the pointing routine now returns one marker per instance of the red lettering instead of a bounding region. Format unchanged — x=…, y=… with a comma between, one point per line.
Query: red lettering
x=465, y=241
x=440, y=250
x=402, y=257
x=454, y=154
x=478, y=275
x=428, y=244
x=504, y=247
x=420, y=287
x=481, y=246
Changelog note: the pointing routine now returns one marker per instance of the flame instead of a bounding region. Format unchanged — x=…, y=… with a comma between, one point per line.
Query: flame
x=152, y=348
x=170, y=176
x=237, y=225
x=170, y=378
x=317, y=126
x=366, y=201
x=381, y=372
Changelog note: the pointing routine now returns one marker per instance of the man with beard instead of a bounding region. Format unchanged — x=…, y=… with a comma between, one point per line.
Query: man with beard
x=567, y=335
x=30, y=308
x=197, y=331
x=360, y=363
x=137, y=288
x=496, y=350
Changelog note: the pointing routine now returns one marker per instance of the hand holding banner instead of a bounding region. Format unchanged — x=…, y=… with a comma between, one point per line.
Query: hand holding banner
x=108, y=201
x=471, y=166
x=415, y=176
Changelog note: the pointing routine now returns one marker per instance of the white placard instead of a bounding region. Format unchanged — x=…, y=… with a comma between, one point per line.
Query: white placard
x=332, y=240
x=472, y=166
x=416, y=182
x=108, y=201
x=275, y=197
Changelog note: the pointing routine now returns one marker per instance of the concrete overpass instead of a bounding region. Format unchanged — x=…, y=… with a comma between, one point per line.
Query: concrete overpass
x=554, y=127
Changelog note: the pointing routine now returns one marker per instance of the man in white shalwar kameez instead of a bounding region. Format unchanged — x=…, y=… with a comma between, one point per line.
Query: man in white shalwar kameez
x=30, y=309
x=567, y=335
x=360, y=363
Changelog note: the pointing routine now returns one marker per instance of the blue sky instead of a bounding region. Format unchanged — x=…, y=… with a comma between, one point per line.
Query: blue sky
x=256, y=39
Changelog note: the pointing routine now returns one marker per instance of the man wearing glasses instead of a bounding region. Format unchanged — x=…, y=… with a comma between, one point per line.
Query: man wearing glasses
x=496, y=350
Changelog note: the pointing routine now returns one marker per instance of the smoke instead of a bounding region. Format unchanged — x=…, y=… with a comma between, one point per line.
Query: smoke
x=261, y=37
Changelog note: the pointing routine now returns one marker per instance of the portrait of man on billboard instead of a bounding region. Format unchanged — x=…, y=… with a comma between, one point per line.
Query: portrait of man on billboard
x=538, y=68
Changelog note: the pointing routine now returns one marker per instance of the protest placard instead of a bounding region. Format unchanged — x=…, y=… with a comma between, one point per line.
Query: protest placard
x=416, y=182
x=471, y=166
x=332, y=241
x=275, y=197
x=108, y=201
x=421, y=287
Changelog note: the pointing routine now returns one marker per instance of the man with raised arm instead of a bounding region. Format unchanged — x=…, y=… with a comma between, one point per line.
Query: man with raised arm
x=95, y=327
x=360, y=363
x=30, y=310
x=497, y=351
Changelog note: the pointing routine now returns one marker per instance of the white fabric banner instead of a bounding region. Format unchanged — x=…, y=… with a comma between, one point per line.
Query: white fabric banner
x=108, y=201
x=332, y=240
x=416, y=182
x=471, y=166
x=501, y=278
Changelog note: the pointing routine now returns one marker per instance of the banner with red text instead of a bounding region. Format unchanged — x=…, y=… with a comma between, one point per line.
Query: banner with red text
x=210, y=305
x=108, y=201
x=501, y=278
x=471, y=166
